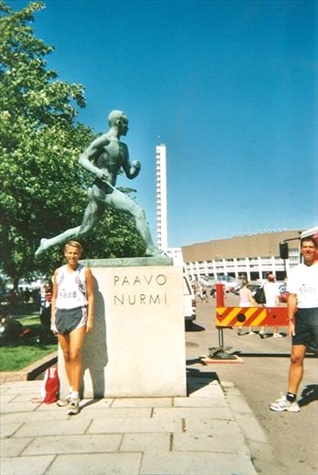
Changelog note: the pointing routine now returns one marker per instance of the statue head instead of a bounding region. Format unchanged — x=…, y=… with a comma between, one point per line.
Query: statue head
x=117, y=118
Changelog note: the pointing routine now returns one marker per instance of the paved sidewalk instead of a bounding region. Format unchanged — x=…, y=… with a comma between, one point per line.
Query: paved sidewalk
x=202, y=434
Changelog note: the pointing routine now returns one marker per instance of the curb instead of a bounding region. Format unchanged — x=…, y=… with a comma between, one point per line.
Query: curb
x=262, y=455
x=30, y=372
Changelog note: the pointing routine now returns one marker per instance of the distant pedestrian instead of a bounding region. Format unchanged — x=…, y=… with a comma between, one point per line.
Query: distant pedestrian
x=72, y=317
x=12, y=297
x=27, y=295
x=271, y=300
x=213, y=292
x=204, y=295
x=246, y=300
x=302, y=306
x=46, y=306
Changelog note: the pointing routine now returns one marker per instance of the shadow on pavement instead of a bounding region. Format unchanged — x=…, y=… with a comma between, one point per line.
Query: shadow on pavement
x=197, y=380
x=90, y=402
x=194, y=327
x=308, y=395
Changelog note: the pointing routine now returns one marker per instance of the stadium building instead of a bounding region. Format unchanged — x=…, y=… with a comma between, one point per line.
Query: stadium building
x=251, y=256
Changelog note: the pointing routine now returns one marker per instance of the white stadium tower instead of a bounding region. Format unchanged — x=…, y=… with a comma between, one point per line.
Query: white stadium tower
x=161, y=197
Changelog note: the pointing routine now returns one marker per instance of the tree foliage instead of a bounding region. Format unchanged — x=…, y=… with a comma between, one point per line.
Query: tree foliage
x=43, y=188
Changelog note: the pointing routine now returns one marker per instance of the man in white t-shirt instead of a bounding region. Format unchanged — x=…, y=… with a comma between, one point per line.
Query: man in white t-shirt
x=271, y=299
x=302, y=308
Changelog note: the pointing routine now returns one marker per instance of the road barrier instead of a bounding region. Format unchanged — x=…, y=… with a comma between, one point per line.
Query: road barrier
x=247, y=316
x=229, y=317
x=250, y=317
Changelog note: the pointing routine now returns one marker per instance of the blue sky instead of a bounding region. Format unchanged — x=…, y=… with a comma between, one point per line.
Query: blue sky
x=229, y=86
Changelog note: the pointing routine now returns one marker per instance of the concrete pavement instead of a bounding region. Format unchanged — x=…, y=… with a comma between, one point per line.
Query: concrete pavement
x=212, y=431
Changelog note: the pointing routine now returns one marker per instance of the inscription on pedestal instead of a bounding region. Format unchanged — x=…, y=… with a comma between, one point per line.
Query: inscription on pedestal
x=138, y=334
x=139, y=290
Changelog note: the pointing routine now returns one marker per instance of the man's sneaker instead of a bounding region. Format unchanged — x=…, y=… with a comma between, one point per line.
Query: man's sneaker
x=64, y=402
x=73, y=407
x=282, y=404
x=278, y=335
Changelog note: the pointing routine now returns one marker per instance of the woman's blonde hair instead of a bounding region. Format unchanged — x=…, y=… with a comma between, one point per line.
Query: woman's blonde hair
x=75, y=244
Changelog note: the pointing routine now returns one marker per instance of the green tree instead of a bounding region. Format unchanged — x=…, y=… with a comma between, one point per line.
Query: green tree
x=43, y=187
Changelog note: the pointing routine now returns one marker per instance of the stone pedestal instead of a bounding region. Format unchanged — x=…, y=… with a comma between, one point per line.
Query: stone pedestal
x=137, y=347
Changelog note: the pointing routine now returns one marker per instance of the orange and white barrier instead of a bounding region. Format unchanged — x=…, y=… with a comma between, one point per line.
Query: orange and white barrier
x=251, y=316
x=247, y=316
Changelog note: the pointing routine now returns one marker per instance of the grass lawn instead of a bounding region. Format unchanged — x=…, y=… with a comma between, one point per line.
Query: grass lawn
x=26, y=350
x=18, y=357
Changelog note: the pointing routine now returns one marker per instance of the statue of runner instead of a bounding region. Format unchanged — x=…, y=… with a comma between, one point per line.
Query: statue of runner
x=104, y=157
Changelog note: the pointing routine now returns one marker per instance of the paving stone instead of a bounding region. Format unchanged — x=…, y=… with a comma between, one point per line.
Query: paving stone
x=97, y=403
x=7, y=430
x=237, y=402
x=13, y=447
x=131, y=425
x=209, y=442
x=23, y=397
x=50, y=408
x=210, y=396
x=127, y=436
x=190, y=411
x=22, y=387
x=143, y=402
x=211, y=426
x=103, y=464
x=26, y=465
x=146, y=442
x=36, y=429
x=35, y=416
x=12, y=406
x=211, y=389
x=218, y=407
x=74, y=444
x=7, y=398
x=116, y=413
x=196, y=463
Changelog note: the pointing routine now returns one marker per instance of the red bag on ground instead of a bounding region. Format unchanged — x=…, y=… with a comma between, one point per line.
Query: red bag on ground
x=50, y=386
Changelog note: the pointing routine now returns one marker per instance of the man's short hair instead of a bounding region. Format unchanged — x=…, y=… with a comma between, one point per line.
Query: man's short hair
x=309, y=239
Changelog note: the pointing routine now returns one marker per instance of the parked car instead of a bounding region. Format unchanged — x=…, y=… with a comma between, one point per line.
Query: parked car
x=229, y=283
x=189, y=302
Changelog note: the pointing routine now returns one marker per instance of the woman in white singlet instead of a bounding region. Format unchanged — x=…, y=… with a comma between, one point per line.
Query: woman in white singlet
x=72, y=317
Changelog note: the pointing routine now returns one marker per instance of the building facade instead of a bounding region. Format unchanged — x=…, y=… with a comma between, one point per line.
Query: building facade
x=161, y=197
x=251, y=256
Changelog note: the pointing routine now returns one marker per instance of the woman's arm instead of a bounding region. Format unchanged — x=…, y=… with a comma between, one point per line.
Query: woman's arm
x=251, y=299
x=53, y=304
x=90, y=298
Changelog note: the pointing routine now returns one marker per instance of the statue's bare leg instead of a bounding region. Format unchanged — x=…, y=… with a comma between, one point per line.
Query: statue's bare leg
x=90, y=218
x=46, y=244
x=120, y=201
